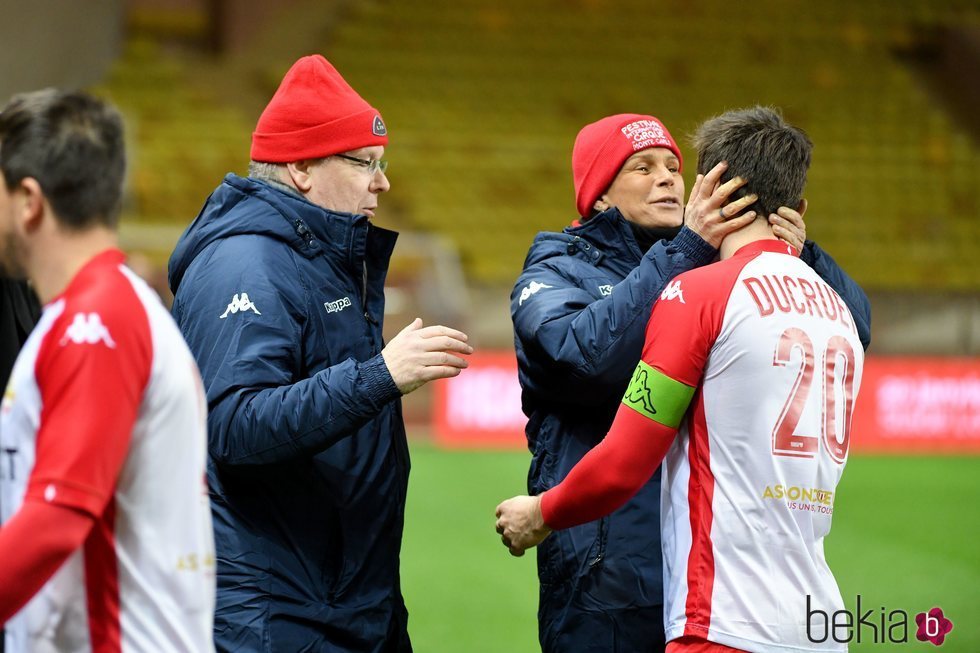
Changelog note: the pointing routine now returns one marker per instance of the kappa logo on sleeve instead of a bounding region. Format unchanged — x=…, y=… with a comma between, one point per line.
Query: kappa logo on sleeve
x=673, y=291
x=240, y=302
x=87, y=329
x=530, y=289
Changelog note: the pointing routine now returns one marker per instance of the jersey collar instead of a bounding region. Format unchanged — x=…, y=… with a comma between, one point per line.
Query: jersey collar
x=766, y=245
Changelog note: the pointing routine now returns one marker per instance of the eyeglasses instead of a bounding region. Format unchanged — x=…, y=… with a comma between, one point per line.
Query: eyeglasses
x=371, y=165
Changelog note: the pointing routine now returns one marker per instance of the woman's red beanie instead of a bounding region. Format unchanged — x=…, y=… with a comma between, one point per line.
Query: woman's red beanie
x=603, y=146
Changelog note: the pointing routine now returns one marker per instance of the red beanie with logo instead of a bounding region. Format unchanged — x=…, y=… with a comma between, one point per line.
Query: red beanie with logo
x=603, y=146
x=315, y=113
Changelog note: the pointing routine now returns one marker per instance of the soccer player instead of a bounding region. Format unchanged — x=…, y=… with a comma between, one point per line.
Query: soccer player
x=102, y=431
x=757, y=362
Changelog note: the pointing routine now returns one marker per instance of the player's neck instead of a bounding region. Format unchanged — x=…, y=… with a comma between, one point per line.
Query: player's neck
x=757, y=230
x=56, y=262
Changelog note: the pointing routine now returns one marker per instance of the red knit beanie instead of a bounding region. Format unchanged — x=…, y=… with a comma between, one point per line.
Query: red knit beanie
x=603, y=146
x=314, y=114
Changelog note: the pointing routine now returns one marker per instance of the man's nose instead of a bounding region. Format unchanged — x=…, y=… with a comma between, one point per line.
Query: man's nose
x=380, y=183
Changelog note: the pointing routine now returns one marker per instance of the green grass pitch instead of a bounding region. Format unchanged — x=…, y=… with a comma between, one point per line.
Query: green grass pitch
x=906, y=535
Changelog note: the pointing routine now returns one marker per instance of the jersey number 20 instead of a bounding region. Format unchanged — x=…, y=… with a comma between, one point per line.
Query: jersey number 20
x=838, y=355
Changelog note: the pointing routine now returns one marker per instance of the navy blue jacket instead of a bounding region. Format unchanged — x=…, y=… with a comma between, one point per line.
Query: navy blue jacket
x=281, y=303
x=580, y=309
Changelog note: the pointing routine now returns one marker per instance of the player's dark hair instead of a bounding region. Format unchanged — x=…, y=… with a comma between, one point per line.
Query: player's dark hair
x=761, y=147
x=72, y=144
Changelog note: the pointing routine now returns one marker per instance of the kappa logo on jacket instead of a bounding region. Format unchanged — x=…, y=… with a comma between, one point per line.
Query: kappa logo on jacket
x=87, y=329
x=530, y=289
x=673, y=291
x=337, y=305
x=240, y=302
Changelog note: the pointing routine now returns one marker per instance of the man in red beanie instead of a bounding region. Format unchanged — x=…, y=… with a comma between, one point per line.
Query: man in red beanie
x=579, y=310
x=279, y=290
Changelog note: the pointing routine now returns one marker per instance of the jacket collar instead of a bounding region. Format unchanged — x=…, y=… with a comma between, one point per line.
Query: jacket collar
x=349, y=235
x=611, y=234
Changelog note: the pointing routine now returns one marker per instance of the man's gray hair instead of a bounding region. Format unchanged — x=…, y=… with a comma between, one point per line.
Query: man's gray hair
x=266, y=171
x=760, y=147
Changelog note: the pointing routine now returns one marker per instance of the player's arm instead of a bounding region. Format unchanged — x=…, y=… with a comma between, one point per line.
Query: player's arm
x=613, y=471
x=679, y=336
x=33, y=546
x=91, y=394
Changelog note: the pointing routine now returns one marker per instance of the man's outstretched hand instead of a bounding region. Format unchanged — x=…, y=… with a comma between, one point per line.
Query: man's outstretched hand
x=419, y=354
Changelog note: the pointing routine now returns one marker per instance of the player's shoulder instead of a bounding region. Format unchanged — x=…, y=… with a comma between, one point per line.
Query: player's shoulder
x=102, y=304
x=706, y=284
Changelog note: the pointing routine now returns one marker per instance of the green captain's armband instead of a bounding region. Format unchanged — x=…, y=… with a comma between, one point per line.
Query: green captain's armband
x=648, y=386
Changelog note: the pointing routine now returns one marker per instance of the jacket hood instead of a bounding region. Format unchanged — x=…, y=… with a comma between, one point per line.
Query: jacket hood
x=606, y=234
x=241, y=206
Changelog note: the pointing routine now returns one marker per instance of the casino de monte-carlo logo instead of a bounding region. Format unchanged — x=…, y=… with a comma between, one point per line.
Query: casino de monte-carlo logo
x=876, y=625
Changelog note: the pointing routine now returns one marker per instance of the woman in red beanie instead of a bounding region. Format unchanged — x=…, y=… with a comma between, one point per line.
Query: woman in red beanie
x=580, y=307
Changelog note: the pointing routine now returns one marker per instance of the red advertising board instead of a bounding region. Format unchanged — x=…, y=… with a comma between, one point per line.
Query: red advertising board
x=905, y=405
x=918, y=405
x=482, y=406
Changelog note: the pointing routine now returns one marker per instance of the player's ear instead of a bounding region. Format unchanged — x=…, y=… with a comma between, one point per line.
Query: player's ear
x=30, y=205
x=801, y=209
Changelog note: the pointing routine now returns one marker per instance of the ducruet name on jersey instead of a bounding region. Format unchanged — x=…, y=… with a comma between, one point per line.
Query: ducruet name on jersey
x=87, y=329
x=797, y=295
x=240, y=302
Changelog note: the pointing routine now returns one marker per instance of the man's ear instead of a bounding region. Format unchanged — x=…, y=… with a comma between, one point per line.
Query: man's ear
x=801, y=209
x=299, y=173
x=31, y=205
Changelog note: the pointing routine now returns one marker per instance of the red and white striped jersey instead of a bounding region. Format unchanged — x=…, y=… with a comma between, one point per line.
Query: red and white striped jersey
x=105, y=414
x=749, y=482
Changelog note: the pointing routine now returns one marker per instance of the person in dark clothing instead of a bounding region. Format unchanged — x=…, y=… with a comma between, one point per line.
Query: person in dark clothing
x=19, y=311
x=279, y=290
x=580, y=307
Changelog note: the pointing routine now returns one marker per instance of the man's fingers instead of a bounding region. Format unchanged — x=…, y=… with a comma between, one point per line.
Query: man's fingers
x=442, y=359
x=447, y=343
x=439, y=330
x=516, y=552
x=433, y=372
x=414, y=326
